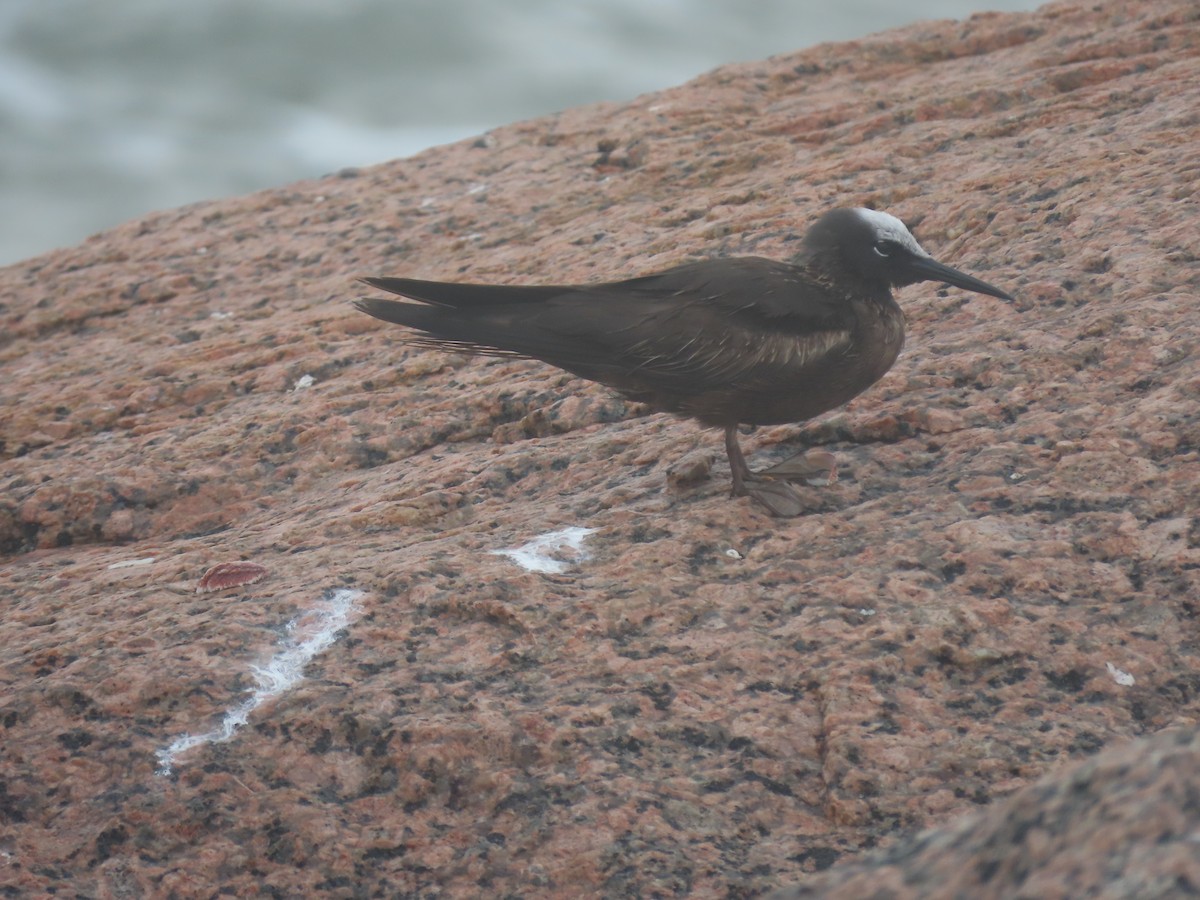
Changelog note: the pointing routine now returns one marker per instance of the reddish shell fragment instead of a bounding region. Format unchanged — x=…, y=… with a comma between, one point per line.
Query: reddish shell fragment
x=230, y=575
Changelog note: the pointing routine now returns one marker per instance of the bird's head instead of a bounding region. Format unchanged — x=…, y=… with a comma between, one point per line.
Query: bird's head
x=877, y=248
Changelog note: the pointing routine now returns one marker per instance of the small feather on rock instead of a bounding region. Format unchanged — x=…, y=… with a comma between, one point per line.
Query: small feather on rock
x=230, y=575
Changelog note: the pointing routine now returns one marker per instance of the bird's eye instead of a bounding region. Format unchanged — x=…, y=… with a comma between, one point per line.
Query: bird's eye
x=884, y=248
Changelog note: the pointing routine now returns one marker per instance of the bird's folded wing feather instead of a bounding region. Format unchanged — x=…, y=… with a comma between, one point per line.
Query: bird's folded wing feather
x=710, y=325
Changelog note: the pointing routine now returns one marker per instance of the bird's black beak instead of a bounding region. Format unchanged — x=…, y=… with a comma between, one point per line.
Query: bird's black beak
x=925, y=268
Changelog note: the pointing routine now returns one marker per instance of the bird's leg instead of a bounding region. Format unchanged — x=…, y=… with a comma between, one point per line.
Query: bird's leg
x=737, y=462
x=777, y=497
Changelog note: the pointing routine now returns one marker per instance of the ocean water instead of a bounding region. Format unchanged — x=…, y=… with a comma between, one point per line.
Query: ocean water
x=110, y=110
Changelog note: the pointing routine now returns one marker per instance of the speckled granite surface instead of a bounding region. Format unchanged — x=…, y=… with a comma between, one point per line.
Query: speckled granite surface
x=1122, y=824
x=1002, y=581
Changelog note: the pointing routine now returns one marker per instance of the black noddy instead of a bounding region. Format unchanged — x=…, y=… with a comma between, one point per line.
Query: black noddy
x=728, y=342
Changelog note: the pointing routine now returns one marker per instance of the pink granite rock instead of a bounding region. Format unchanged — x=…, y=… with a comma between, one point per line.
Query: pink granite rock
x=704, y=701
x=1122, y=824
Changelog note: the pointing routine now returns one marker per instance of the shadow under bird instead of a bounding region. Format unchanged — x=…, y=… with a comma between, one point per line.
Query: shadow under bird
x=729, y=342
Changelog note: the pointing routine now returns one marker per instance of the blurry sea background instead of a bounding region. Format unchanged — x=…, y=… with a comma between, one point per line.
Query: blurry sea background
x=114, y=108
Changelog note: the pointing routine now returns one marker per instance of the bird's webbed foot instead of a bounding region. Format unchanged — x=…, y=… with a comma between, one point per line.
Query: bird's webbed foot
x=778, y=497
x=815, y=467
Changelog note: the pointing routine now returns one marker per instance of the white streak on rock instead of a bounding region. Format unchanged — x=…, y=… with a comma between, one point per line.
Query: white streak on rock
x=128, y=563
x=539, y=555
x=1122, y=678
x=312, y=633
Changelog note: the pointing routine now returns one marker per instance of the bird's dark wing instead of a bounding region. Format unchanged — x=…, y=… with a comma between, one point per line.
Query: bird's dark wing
x=464, y=296
x=692, y=328
x=491, y=320
x=722, y=323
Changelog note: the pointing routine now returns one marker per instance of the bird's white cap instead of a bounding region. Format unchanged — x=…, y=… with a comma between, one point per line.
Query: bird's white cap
x=888, y=228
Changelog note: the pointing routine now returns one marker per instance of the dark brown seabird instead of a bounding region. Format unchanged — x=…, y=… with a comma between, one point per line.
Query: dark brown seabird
x=729, y=342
